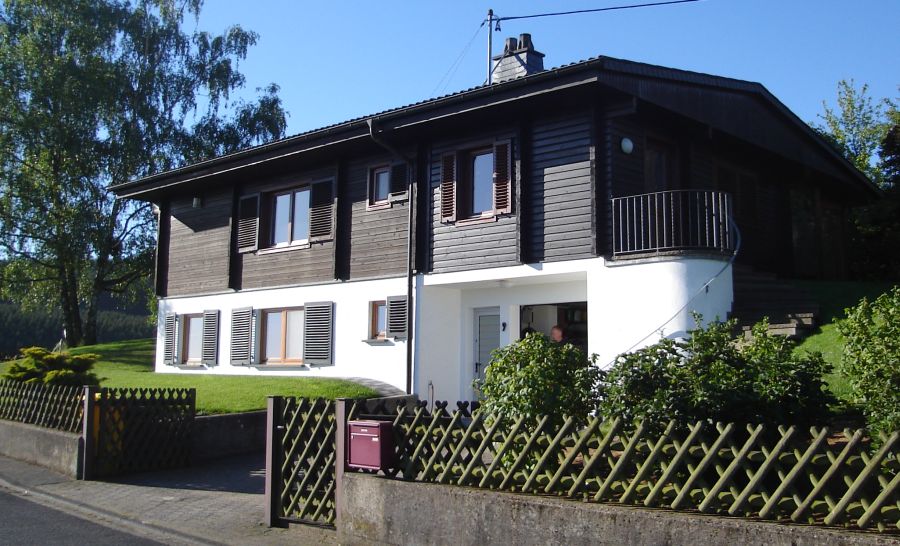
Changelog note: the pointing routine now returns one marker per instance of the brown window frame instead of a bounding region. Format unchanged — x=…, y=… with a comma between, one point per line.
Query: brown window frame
x=263, y=357
x=272, y=198
x=466, y=184
x=374, y=333
x=186, y=337
x=371, y=203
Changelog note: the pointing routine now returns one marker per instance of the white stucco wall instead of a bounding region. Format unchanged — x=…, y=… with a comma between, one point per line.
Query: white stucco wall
x=353, y=357
x=630, y=305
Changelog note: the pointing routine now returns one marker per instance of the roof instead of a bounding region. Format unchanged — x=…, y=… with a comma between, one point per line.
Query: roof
x=136, y=187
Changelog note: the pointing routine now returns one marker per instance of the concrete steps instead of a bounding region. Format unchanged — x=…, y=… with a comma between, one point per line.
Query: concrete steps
x=791, y=311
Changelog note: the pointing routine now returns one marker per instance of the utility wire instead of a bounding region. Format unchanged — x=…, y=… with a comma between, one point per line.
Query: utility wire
x=448, y=77
x=611, y=8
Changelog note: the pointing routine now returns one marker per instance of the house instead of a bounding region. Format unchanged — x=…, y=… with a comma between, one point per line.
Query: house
x=610, y=197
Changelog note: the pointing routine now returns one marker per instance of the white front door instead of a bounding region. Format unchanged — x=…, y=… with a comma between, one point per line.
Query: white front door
x=487, y=338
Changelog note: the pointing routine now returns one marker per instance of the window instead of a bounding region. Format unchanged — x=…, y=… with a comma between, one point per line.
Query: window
x=380, y=185
x=477, y=184
x=282, y=337
x=378, y=326
x=192, y=338
x=290, y=218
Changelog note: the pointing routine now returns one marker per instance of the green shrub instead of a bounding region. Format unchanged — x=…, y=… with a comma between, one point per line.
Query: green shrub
x=871, y=358
x=38, y=365
x=713, y=375
x=535, y=377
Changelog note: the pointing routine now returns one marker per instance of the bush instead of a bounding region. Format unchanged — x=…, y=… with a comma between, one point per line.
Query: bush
x=871, y=358
x=38, y=365
x=713, y=375
x=535, y=377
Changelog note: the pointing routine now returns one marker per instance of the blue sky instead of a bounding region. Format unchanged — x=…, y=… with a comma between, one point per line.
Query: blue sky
x=338, y=59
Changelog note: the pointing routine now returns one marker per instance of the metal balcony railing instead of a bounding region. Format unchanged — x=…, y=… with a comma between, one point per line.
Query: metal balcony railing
x=674, y=220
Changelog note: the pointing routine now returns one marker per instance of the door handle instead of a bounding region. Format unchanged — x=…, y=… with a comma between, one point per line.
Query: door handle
x=477, y=367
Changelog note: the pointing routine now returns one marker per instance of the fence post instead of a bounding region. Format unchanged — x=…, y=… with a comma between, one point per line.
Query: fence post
x=88, y=445
x=341, y=411
x=274, y=408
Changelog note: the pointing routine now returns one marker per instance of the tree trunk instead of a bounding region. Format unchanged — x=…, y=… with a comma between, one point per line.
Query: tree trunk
x=70, y=311
x=90, y=319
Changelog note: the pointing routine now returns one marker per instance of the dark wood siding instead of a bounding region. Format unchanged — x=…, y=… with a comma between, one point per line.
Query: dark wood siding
x=456, y=247
x=311, y=265
x=377, y=237
x=199, y=244
x=559, y=190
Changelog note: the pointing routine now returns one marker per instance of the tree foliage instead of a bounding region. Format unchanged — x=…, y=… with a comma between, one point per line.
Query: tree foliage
x=857, y=127
x=98, y=92
x=871, y=359
x=711, y=375
x=536, y=377
x=38, y=365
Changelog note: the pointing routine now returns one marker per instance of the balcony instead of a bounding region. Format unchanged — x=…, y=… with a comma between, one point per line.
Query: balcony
x=672, y=222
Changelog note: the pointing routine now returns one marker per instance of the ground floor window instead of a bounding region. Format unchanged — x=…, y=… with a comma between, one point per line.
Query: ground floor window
x=570, y=318
x=378, y=321
x=282, y=336
x=192, y=339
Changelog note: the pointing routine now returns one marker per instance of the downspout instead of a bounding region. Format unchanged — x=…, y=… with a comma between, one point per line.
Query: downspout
x=410, y=238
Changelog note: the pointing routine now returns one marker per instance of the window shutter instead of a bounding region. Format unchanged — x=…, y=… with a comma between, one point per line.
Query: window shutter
x=448, y=187
x=503, y=177
x=399, y=179
x=242, y=337
x=248, y=224
x=318, y=325
x=321, y=211
x=396, y=317
x=169, y=339
x=209, y=350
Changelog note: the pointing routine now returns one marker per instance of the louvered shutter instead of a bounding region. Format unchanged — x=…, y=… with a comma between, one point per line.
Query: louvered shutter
x=448, y=187
x=318, y=330
x=321, y=211
x=248, y=224
x=169, y=338
x=209, y=350
x=399, y=180
x=242, y=337
x=503, y=177
x=396, y=317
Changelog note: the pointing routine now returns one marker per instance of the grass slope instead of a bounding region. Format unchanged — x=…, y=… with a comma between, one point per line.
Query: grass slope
x=130, y=364
x=833, y=297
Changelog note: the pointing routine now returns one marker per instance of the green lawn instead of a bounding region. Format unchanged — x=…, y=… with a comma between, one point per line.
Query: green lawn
x=130, y=364
x=833, y=298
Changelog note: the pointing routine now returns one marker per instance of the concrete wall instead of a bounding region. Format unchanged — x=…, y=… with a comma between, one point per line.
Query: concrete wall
x=374, y=510
x=53, y=449
x=218, y=436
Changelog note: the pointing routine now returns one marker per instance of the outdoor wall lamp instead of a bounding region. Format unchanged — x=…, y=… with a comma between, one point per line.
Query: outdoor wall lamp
x=197, y=202
x=627, y=145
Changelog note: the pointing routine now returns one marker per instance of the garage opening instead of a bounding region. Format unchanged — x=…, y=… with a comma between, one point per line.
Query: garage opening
x=572, y=317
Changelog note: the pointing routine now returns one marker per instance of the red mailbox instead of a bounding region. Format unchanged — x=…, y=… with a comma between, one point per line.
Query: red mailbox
x=370, y=445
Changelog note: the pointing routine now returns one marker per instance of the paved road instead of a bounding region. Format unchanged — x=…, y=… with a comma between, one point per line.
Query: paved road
x=25, y=523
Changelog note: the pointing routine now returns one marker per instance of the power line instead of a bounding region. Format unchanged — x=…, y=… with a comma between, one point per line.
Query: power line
x=610, y=8
x=448, y=76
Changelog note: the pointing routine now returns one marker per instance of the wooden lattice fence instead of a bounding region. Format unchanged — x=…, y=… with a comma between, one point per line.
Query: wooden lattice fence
x=135, y=430
x=51, y=406
x=813, y=476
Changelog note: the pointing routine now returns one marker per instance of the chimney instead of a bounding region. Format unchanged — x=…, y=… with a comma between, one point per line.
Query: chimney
x=519, y=58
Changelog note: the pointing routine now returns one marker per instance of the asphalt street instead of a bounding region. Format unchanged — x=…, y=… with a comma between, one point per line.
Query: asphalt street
x=24, y=523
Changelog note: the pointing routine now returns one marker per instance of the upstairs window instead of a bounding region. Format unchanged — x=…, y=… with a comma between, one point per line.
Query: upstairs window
x=659, y=172
x=290, y=218
x=476, y=183
x=380, y=186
